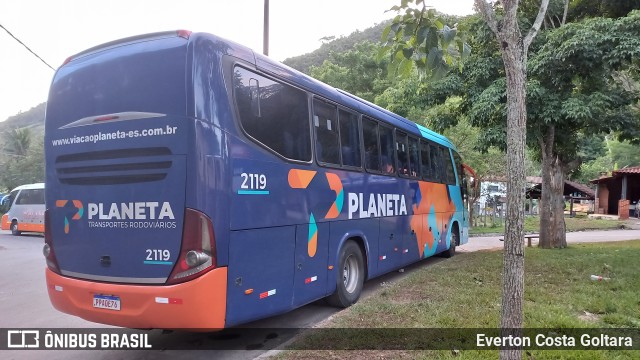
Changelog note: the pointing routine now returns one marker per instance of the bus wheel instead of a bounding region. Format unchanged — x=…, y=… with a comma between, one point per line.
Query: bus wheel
x=350, y=276
x=14, y=229
x=455, y=239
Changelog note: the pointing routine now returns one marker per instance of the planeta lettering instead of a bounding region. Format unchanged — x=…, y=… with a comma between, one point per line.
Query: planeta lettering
x=376, y=205
x=150, y=210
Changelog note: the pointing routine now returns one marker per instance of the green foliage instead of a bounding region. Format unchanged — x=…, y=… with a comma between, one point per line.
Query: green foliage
x=17, y=141
x=22, y=149
x=420, y=39
x=316, y=58
x=355, y=71
x=581, y=9
x=572, y=86
x=19, y=169
x=487, y=163
x=622, y=153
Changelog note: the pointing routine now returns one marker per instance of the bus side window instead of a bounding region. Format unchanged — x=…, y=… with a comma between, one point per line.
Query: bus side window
x=402, y=151
x=371, y=144
x=386, y=150
x=414, y=163
x=425, y=160
x=11, y=199
x=327, y=139
x=349, y=139
x=436, y=166
x=273, y=114
x=459, y=167
x=448, y=166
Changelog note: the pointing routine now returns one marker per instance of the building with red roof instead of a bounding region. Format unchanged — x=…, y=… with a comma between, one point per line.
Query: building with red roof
x=618, y=193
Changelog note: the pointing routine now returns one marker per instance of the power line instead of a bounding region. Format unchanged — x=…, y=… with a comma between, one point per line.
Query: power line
x=26, y=47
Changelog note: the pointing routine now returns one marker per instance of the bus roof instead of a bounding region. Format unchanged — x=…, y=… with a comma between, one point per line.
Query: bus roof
x=30, y=186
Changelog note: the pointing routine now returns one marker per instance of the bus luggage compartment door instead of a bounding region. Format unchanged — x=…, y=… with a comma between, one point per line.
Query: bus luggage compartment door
x=260, y=273
x=312, y=251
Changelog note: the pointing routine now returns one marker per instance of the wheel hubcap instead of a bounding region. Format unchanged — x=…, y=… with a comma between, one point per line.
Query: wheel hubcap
x=350, y=274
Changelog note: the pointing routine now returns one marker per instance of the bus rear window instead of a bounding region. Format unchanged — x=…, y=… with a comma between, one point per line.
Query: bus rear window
x=146, y=76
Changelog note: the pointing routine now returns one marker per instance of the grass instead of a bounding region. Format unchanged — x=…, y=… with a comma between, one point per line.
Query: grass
x=532, y=225
x=465, y=292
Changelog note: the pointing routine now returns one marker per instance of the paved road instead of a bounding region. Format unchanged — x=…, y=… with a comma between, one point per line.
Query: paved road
x=24, y=304
x=493, y=242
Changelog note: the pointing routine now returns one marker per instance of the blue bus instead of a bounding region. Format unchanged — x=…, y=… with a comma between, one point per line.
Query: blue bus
x=193, y=183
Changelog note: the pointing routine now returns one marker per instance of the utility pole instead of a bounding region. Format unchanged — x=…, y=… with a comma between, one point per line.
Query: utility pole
x=265, y=34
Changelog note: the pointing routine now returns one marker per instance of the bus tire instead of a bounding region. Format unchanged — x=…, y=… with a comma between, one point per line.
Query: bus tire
x=349, y=277
x=14, y=229
x=455, y=240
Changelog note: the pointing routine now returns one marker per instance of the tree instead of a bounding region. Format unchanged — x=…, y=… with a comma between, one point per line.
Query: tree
x=577, y=88
x=574, y=93
x=418, y=51
x=614, y=153
x=503, y=22
x=487, y=163
x=420, y=39
x=356, y=71
x=26, y=167
x=18, y=141
x=582, y=9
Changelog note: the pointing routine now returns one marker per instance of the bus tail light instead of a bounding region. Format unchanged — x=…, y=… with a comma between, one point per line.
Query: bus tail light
x=47, y=250
x=185, y=34
x=198, y=250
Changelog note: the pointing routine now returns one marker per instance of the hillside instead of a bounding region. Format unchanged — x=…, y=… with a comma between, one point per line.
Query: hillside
x=32, y=118
x=316, y=58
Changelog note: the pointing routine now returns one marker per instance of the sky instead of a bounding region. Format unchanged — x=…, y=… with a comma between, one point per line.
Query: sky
x=57, y=29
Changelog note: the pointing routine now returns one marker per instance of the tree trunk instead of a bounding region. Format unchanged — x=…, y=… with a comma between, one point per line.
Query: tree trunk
x=471, y=215
x=513, y=263
x=546, y=145
x=552, y=225
x=558, y=229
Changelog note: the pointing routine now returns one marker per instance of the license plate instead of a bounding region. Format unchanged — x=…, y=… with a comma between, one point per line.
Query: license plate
x=106, y=302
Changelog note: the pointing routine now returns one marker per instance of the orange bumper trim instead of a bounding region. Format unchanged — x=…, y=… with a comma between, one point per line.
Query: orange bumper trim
x=31, y=227
x=5, y=224
x=197, y=305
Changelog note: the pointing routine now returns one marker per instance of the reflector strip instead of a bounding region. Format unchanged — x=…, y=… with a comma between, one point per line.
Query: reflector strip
x=150, y=262
x=267, y=293
x=310, y=280
x=405, y=251
x=383, y=257
x=253, y=192
x=164, y=300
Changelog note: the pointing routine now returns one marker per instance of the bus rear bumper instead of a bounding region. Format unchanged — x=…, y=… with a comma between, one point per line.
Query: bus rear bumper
x=196, y=305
